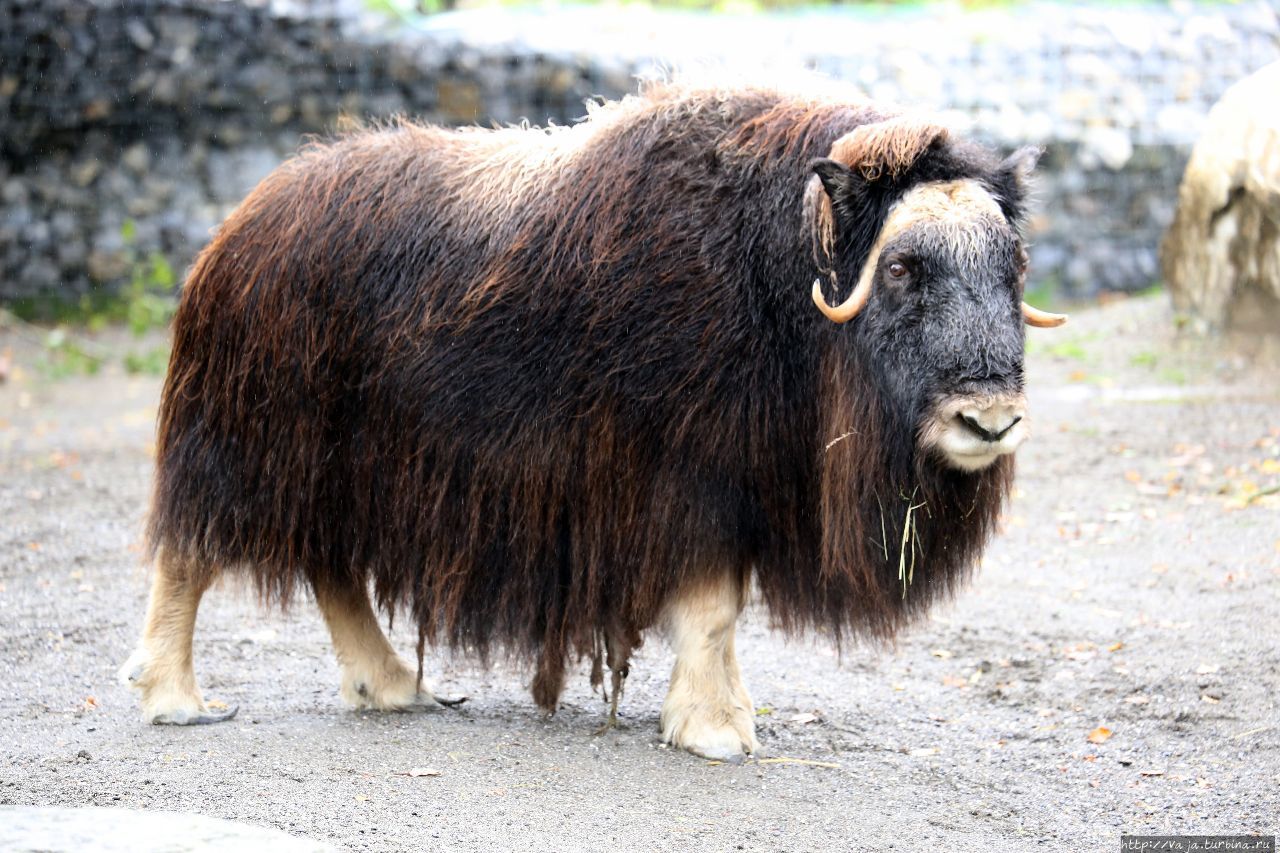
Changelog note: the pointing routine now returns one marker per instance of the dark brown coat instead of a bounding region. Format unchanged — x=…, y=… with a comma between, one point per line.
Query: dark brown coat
x=528, y=382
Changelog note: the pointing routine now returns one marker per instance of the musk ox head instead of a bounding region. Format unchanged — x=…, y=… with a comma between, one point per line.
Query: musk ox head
x=926, y=230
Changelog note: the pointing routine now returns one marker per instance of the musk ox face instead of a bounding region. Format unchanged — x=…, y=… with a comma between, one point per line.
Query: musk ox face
x=945, y=326
x=939, y=269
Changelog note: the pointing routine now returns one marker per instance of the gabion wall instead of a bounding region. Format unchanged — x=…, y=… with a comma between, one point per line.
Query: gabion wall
x=163, y=113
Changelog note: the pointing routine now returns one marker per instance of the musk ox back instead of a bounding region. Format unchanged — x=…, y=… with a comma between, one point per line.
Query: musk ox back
x=542, y=390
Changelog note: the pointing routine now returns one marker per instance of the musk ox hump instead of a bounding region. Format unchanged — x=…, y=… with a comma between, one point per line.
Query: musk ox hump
x=888, y=148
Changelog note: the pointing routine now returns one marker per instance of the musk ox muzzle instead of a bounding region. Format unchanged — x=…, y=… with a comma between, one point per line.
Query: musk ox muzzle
x=972, y=431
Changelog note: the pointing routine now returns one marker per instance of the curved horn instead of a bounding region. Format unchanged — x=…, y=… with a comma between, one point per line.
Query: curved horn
x=847, y=310
x=1041, y=319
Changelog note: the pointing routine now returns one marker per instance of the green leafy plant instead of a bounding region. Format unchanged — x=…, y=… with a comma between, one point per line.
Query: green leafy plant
x=145, y=303
x=152, y=362
x=65, y=355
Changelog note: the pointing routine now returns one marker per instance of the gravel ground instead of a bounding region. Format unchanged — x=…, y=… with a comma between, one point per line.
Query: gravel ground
x=1135, y=588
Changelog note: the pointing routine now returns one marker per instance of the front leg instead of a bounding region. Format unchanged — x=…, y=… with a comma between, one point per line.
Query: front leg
x=707, y=710
x=161, y=668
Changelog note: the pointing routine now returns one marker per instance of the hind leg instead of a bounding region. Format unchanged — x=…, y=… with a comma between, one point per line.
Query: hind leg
x=707, y=710
x=161, y=667
x=373, y=675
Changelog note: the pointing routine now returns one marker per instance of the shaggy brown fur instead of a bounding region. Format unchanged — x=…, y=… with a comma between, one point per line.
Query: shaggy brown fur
x=530, y=382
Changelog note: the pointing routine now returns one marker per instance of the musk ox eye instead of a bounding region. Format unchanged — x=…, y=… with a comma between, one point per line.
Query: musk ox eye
x=896, y=270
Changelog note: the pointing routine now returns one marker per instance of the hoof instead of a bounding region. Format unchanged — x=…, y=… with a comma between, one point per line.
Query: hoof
x=720, y=735
x=395, y=689
x=422, y=701
x=169, y=697
x=201, y=718
x=728, y=746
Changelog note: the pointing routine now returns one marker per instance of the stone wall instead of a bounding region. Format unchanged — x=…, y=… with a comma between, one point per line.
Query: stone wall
x=163, y=113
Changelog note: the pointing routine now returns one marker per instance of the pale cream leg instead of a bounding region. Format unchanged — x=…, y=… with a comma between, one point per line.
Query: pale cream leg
x=707, y=710
x=161, y=667
x=373, y=675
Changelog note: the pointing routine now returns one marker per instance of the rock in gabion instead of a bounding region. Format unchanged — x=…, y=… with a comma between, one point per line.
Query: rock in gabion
x=1221, y=256
x=133, y=126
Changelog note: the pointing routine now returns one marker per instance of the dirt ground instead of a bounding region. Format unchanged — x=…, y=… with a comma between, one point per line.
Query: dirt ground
x=1135, y=589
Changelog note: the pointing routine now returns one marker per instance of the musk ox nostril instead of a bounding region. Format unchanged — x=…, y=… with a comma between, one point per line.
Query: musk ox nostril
x=1002, y=433
x=977, y=428
x=988, y=434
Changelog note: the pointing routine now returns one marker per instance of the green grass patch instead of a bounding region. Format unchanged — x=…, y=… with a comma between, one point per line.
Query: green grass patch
x=151, y=362
x=65, y=355
x=145, y=302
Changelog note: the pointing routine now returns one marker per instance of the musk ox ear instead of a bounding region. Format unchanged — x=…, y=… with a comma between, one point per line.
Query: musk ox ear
x=830, y=181
x=837, y=178
x=1011, y=182
x=887, y=149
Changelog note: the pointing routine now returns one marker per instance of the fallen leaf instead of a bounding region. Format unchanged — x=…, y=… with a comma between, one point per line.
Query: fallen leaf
x=760, y=712
x=1100, y=735
x=1211, y=699
x=1137, y=699
x=216, y=705
x=942, y=653
x=424, y=771
x=1133, y=476
x=1115, y=647
x=803, y=718
x=923, y=752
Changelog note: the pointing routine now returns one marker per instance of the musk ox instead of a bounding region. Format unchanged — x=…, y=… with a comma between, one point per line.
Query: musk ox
x=542, y=390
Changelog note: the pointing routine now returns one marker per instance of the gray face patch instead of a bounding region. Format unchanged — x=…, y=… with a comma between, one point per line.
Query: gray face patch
x=959, y=215
x=958, y=230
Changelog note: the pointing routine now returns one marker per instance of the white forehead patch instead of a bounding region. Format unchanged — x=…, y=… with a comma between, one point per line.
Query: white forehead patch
x=958, y=209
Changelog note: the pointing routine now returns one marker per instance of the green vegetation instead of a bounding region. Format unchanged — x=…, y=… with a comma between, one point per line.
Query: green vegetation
x=66, y=355
x=145, y=303
x=153, y=362
x=406, y=9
